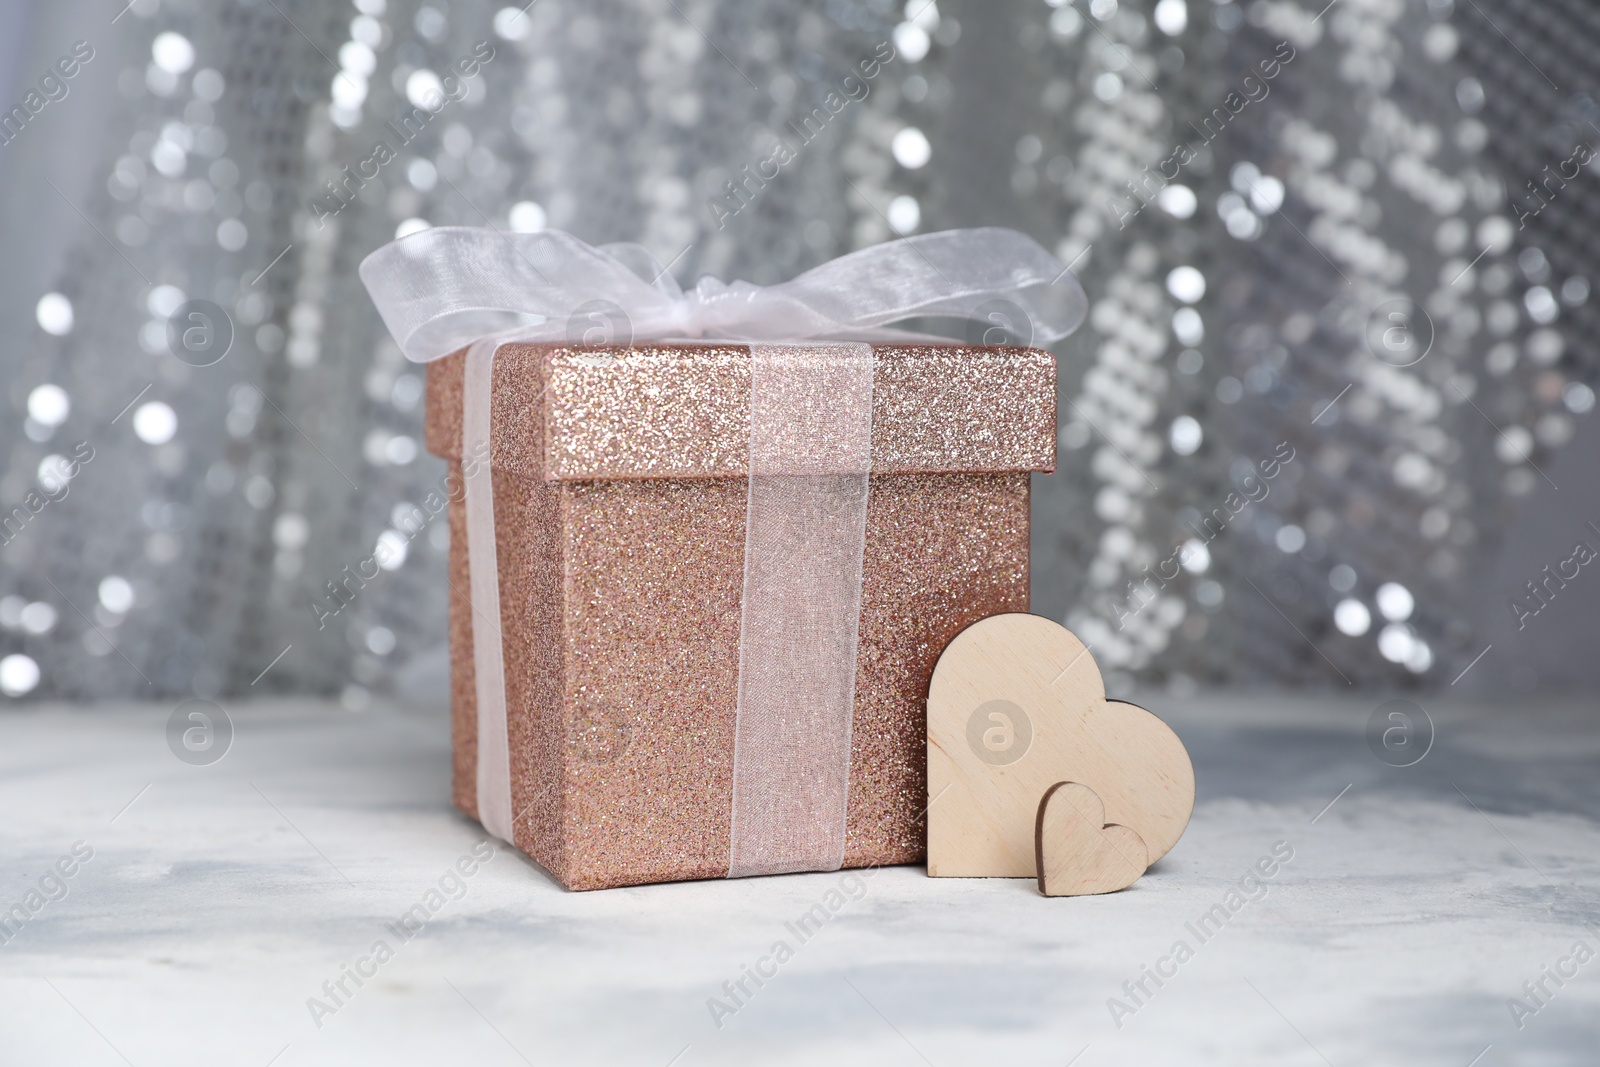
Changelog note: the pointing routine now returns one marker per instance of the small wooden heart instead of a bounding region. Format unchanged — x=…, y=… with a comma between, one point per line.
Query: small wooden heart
x=1079, y=853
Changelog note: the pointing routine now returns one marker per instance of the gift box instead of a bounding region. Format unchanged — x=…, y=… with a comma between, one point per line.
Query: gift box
x=620, y=497
x=711, y=543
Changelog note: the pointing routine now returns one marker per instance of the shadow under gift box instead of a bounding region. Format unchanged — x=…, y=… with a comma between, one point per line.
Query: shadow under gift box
x=620, y=486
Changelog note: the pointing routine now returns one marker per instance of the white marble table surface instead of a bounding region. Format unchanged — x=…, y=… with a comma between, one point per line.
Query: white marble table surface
x=224, y=896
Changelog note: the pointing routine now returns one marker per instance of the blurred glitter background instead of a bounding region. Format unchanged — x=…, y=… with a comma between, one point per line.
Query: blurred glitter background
x=1380, y=257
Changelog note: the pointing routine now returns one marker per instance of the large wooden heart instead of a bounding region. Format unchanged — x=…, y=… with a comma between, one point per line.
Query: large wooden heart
x=1016, y=705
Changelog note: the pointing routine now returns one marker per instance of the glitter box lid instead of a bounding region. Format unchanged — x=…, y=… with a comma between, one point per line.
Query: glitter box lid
x=562, y=413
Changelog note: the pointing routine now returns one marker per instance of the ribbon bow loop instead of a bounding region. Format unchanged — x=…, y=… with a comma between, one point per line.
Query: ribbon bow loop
x=441, y=289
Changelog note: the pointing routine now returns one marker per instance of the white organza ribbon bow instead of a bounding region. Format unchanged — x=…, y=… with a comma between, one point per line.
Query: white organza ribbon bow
x=441, y=289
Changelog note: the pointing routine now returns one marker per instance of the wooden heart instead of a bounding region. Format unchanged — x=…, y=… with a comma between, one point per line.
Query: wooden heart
x=1016, y=705
x=1078, y=853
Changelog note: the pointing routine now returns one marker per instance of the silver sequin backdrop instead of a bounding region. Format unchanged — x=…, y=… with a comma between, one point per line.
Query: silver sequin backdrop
x=1352, y=241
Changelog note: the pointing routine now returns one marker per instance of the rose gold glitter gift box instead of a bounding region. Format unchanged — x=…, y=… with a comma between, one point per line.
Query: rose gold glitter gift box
x=620, y=492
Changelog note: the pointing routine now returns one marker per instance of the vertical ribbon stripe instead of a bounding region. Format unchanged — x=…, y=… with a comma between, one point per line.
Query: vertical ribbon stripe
x=810, y=454
x=488, y=652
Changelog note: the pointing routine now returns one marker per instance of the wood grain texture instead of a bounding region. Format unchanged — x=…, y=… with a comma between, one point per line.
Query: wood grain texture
x=1017, y=705
x=1078, y=853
